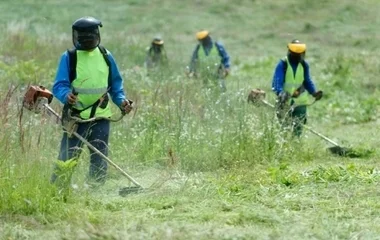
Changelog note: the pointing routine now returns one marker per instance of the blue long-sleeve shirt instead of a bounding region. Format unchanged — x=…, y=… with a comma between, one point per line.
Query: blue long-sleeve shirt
x=279, y=77
x=225, y=58
x=62, y=86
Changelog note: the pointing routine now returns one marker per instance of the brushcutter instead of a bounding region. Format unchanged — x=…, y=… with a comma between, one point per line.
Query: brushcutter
x=38, y=98
x=257, y=96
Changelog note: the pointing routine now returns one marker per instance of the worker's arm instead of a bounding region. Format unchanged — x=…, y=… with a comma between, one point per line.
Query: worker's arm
x=308, y=83
x=116, y=91
x=62, y=85
x=148, y=59
x=225, y=58
x=194, y=59
x=278, y=78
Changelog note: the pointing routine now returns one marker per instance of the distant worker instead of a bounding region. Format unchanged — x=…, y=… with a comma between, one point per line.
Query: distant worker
x=210, y=61
x=156, y=54
x=290, y=82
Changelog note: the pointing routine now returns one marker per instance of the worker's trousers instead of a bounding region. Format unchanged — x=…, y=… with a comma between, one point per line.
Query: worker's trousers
x=298, y=119
x=97, y=134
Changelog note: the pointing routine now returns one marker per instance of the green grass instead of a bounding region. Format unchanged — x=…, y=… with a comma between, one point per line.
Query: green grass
x=214, y=166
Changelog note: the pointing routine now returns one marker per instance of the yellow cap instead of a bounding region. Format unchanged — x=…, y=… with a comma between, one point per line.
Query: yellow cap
x=297, y=47
x=202, y=34
x=158, y=41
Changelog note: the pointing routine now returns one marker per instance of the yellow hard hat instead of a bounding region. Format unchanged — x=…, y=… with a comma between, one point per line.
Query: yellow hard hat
x=158, y=41
x=296, y=46
x=202, y=34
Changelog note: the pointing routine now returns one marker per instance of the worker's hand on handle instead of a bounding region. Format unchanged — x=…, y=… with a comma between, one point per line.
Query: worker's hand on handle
x=189, y=72
x=318, y=95
x=226, y=72
x=296, y=94
x=71, y=98
x=283, y=97
x=126, y=106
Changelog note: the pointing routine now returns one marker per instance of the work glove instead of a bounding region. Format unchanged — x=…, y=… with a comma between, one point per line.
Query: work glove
x=126, y=106
x=226, y=72
x=298, y=91
x=318, y=95
x=296, y=94
x=71, y=98
x=191, y=74
x=283, y=97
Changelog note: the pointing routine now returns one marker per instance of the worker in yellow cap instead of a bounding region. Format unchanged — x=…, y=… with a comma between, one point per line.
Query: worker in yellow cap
x=156, y=55
x=210, y=60
x=291, y=83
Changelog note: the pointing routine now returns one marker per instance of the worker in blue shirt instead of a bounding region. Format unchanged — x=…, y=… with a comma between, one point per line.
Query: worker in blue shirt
x=291, y=83
x=86, y=77
x=210, y=61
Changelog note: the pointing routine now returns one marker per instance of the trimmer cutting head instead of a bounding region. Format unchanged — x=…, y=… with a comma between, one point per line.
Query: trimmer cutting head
x=130, y=190
x=349, y=152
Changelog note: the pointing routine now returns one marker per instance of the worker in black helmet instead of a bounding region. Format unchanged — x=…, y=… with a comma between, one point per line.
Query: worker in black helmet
x=87, y=76
x=156, y=54
x=291, y=83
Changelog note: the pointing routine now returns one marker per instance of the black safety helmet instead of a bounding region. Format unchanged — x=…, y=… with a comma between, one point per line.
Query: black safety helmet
x=86, y=34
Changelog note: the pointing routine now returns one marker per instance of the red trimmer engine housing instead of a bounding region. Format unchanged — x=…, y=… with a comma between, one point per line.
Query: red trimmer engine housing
x=35, y=97
x=256, y=95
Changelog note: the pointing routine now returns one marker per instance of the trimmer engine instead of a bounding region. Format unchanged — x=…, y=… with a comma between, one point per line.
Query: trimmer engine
x=256, y=95
x=35, y=97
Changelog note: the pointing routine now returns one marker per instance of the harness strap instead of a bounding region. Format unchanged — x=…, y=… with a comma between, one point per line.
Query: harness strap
x=101, y=102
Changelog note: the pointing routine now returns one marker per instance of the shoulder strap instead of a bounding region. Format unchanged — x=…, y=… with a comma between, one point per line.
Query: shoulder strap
x=72, y=53
x=285, y=62
x=303, y=63
x=103, y=50
x=105, y=55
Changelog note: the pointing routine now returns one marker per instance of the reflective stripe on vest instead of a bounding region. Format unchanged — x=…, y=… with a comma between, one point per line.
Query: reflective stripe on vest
x=208, y=63
x=91, y=91
x=91, y=82
x=294, y=81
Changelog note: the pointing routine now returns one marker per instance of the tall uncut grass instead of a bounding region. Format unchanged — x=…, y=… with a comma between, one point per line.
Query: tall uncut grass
x=215, y=166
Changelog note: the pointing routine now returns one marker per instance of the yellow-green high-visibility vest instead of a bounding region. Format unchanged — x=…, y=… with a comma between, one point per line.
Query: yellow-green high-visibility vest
x=293, y=81
x=91, y=82
x=208, y=64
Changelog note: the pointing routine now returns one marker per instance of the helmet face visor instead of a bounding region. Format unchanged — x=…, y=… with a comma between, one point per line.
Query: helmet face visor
x=157, y=48
x=86, y=39
x=295, y=57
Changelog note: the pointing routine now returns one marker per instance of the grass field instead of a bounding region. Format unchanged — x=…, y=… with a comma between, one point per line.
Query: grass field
x=214, y=166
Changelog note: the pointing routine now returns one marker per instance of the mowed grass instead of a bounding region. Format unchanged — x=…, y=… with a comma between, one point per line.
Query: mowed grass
x=214, y=167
